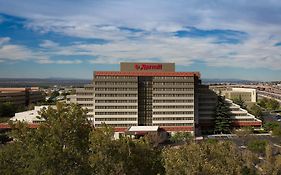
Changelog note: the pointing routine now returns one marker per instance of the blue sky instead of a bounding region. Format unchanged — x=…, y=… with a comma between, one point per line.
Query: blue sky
x=68, y=38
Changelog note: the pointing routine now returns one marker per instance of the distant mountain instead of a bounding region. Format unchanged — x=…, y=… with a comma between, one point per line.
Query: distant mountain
x=236, y=81
x=28, y=82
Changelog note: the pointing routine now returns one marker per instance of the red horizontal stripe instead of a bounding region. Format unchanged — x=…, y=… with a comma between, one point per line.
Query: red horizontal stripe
x=177, y=128
x=155, y=74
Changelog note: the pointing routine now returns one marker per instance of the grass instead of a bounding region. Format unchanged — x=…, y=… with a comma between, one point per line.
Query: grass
x=4, y=119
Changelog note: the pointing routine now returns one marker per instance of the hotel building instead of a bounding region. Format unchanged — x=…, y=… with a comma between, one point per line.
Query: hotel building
x=147, y=94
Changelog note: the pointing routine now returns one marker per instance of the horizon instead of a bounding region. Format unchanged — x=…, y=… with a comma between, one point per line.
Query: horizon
x=67, y=39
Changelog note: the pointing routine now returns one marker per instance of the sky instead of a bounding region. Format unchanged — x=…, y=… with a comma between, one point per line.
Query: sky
x=70, y=39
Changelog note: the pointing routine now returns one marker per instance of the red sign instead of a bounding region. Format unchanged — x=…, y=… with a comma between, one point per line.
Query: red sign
x=148, y=66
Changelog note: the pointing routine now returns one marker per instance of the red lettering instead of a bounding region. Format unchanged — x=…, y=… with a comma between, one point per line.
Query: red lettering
x=147, y=66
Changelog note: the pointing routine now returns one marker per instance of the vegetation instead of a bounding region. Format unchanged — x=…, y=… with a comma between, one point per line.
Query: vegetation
x=257, y=146
x=67, y=144
x=204, y=158
x=268, y=103
x=256, y=111
x=181, y=137
x=269, y=126
x=222, y=116
x=8, y=110
x=240, y=102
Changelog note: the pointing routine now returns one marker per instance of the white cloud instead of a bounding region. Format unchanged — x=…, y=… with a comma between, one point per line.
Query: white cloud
x=68, y=61
x=49, y=44
x=4, y=40
x=156, y=20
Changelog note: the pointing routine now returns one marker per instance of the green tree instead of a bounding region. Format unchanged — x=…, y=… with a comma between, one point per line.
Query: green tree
x=269, y=103
x=59, y=146
x=181, y=137
x=263, y=102
x=276, y=131
x=7, y=109
x=222, y=116
x=240, y=102
x=272, y=104
x=256, y=111
x=123, y=156
x=269, y=126
x=257, y=146
x=203, y=158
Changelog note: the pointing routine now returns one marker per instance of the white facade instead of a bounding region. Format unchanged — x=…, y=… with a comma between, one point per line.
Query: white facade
x=30, y=116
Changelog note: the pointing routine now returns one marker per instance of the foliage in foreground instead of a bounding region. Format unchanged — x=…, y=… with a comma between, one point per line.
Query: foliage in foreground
x=67, y=144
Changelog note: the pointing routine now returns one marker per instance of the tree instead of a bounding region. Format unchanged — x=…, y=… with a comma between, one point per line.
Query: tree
x=269, y=126
x=222, y=116
x=276, y=131
x=181, y=137
x=203, y=158
x=240, y=102
x=269, y=103
x=123, y=156
x=256, y=111
x=59, y=146
x=7, y=109
x=257, y=146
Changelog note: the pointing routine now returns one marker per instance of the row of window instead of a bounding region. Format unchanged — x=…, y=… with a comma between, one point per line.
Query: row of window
x=116, y=89
x=173, y=107
x=86, y=105
x=116, y=107
x=173, y=124
x=173, y=118
x=116, y=125
x=173, y=95
x=172, y=112
x=116, y=101
x=114, y=83
x=115, y=77
x=172, y=78
x=173, y=83
x=85, y=99
x=115, y=113
x=116, y=95
x=173, y=89
x=173, y=101
x=83, y=93
x=115, y=119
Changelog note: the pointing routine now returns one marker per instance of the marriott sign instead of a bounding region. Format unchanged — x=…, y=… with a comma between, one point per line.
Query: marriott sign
x=148, y=66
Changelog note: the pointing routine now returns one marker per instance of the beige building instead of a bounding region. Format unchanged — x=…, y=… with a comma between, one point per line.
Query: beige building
x=246, y=94
x=21, y=96
x=151, y=94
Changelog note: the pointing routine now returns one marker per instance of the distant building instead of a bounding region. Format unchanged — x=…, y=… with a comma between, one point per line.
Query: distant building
x=246, y=94
x=21, y=96
x=207, y=103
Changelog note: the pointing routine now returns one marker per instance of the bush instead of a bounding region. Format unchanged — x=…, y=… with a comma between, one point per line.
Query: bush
x=257, y=146
x=269, y=126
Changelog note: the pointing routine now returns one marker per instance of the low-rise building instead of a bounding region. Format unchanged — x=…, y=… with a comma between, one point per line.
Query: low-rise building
x=30, y=116
x=21, y=96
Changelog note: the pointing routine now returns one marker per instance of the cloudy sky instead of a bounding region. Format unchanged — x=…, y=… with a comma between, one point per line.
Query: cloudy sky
x=69, y=38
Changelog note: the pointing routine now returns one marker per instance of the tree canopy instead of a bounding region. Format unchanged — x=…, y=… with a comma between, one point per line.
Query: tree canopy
x=222, y=116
